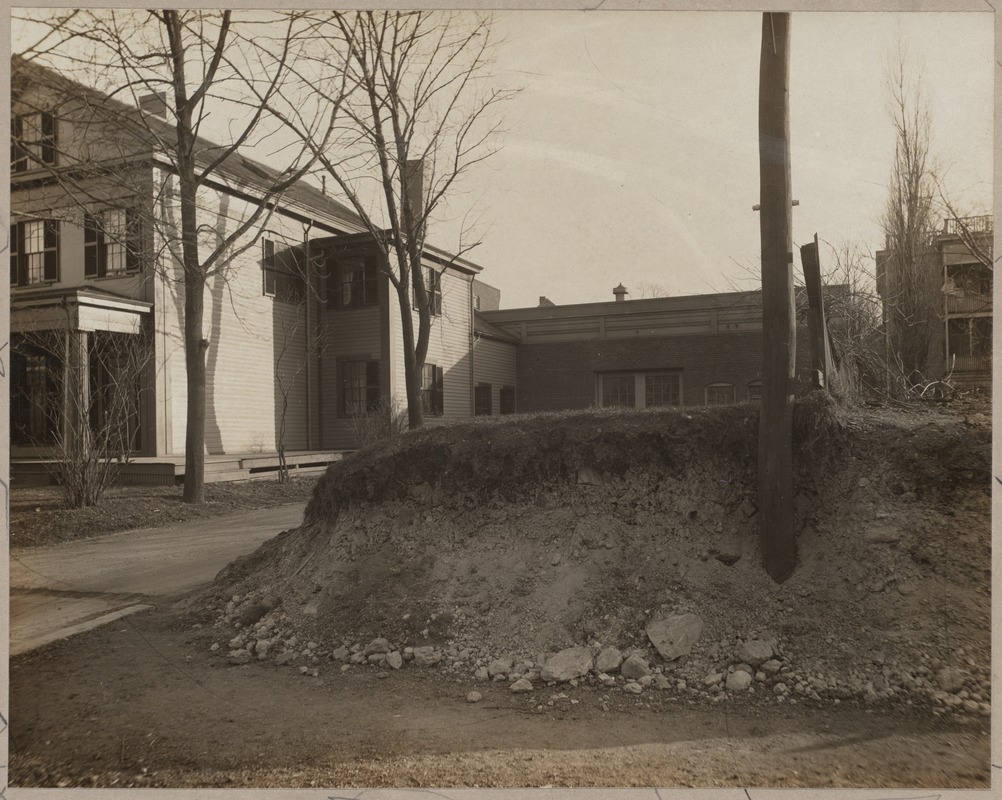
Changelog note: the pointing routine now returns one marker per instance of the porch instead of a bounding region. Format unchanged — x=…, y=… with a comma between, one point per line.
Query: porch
x=169, y=470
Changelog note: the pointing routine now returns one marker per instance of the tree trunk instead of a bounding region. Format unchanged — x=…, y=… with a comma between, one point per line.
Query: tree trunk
x=778, y=537
x=412, y=367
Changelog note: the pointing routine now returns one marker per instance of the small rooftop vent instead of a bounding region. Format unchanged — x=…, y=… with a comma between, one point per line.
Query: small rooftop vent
x=620, y=292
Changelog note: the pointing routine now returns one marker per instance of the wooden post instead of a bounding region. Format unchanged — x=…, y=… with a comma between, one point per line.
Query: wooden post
x=775, y=484
x=823, y=375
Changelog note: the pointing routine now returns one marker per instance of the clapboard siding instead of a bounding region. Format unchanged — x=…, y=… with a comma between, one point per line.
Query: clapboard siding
x=494, y=363
x=353, y=333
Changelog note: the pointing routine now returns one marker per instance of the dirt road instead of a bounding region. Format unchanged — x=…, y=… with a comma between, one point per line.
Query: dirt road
x=65, y=589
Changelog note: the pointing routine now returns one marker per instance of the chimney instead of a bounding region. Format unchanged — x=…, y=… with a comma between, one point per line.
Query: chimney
x=414, y=178
x=154, y=104
x=620, y=292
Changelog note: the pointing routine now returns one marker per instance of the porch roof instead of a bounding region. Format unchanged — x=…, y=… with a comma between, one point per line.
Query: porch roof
x=78, y=309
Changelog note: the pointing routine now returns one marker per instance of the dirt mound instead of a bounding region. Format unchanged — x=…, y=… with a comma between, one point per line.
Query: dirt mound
x=530, y=534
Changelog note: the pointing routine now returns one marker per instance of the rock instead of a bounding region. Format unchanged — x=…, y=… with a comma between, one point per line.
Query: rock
x=771, y=667
x=236, y=642
x=262, y=647
x=661, y=682
x=634, y=667
x=341, y=654
x=358, y=658
x=394, y=660
x=673, y=636
x=754, y=652
x=214, y=648
x=645, y=680
x=882, y=534
x=379, y=645
x=520, y=686
x=241, y=656
x=951, y=679
x=482, y=674
x=312, y=645
x=573, y=662
x=589, y=477
x=738, y=681
x=426, y=656
x=713, y=679
x=284, y=658
x=474, y=697
x=906, y=587
x=743, y=668
x=606, y=680
x=375, y=658
x=500, y=666
x=608, y=660
x=779, y=688
x=555, y=559
x=633, y=687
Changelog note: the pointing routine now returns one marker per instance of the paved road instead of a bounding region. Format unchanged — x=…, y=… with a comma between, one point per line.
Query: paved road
x=69, y=588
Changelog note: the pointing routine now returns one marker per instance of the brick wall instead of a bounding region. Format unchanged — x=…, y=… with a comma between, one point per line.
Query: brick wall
x=561, y=375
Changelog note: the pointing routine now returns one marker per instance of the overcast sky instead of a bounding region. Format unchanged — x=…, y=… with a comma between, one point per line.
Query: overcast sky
x=632, y=152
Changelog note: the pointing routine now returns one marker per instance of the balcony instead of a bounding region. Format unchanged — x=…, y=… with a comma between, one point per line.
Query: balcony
x=967, y=225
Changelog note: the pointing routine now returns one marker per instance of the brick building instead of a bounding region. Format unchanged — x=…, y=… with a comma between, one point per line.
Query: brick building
x=688, y=351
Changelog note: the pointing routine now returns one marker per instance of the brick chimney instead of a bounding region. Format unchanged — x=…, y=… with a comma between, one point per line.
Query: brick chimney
x=154, y=104
x=620, y=292
x=414, y=173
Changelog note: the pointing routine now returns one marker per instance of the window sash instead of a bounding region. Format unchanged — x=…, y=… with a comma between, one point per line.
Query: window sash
x=433, y=390
x=360, y=387
x=720, y=394
x=33, y=140
x=34, y=254
x=283, y=275
x=482, y=401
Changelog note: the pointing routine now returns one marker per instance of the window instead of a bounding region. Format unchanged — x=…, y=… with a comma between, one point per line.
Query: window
x=755, y=390
x=434, y=286
x=640, y=389
x=507, y=399
x=112, y=243
x=719, y=394
x=970, y=339
x=33, y=141
x=34, y=252
x=974, y=279
x=359, y=388
x=282, y=273
x=432, y=390
x=618, y=390
x=356, y=282
x=482, y=400
x=661, y=390
x=35, y=395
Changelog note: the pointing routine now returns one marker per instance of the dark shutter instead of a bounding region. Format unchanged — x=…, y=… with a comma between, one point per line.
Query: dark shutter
x=133, y=240
x=436, y=295
x=268, y=267
x=372, y=385
x=439, y=401
x=371, y=281
x=51, y=240
x=16, y=132
x=15, y=258
x=48, y=138
x=92, y=237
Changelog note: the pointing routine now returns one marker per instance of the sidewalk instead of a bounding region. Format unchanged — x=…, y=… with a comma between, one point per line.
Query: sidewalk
x=68, y=588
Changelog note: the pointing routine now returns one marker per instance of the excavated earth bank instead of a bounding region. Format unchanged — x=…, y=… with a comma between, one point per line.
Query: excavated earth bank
x=485, y=548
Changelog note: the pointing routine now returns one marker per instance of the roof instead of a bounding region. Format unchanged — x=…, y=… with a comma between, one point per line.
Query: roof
x=150, y=129
x=483, y=328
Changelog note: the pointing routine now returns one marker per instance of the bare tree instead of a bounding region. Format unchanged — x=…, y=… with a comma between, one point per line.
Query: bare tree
x=908, y=278
x=84, y=408
x=652, y=290
x=197, y=62
x=417, y=116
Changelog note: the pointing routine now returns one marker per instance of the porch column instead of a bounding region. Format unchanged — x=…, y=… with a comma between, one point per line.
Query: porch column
x=76, y=390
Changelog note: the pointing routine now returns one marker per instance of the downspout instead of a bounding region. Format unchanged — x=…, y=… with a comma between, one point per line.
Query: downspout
x=473, y=377
x=307, y=227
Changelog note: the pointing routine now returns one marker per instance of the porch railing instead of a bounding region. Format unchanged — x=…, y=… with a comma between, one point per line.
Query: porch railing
x=958, y=225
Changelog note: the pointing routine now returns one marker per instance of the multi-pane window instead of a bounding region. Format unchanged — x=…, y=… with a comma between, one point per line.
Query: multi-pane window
x=640, y=389
x=360, y=392
x=34, y=252
x=619, y=390
x=661, y=390
x=34, y=396
x=112, y=243
x=433, y=390
x=719, y=394
x=32, y=141
x=507, y=399
x=755, y=390
x=482, y=400
x=283, y=273
x=357, y=282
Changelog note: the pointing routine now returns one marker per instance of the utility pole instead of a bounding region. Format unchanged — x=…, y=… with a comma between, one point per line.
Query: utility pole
x=775, y=459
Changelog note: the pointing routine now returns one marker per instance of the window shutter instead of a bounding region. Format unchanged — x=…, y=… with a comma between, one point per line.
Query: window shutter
x=91, y=237
x=267, y=267
x=51, y=241
x=15, y=261
x=48, y=139
x=16, y=132
x=133, y=240
x=436, y=282
x=371, y=281
x=439, y=407
x=372, y=384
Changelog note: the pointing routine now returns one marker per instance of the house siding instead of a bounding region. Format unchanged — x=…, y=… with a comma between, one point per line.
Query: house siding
x=494, y=362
